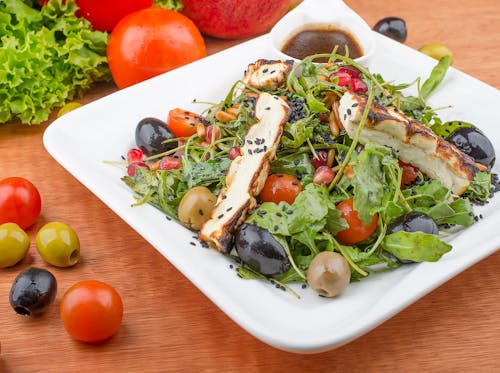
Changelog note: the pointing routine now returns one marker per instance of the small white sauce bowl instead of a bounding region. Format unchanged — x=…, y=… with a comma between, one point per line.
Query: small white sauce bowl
x=311, y=14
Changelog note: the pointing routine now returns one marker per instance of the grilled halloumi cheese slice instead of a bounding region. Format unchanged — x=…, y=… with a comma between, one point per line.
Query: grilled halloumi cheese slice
x=247, y=173
x=414, y=143
x=265, y=74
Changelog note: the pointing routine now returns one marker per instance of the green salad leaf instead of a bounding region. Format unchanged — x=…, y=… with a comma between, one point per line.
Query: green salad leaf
x=415, y=246
x=48, y=56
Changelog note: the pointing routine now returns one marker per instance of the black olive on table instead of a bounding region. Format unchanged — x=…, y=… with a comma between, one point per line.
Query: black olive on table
x=259, y=250
x=33, y=290
x=474, y=143
x=150, y=134
x=392, y=27
x=413, y=222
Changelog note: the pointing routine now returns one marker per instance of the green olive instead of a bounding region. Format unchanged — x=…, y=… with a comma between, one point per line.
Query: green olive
x=14, y=244
x=195, y=207
x=328, y=274
x=58, y=244
x=436, y=51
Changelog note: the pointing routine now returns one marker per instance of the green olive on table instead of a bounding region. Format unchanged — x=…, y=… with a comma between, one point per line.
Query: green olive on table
x=14, y=244
x=328, y=274
x=58, y=244
x=195, y=207
x=436, y=51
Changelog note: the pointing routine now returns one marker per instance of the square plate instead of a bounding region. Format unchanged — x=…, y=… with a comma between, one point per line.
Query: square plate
x=311, y=323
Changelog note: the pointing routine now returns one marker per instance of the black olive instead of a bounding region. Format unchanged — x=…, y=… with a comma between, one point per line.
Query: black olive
x=150, y=134
x=413, y=222
x=259, y=250
x=475, y=144
x=34, y=289
x=392, y=27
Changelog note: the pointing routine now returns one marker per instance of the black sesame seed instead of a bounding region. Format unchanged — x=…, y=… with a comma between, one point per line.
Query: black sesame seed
x=192, y=243
x=123, y=157
x=168, y=218
x=265, y=70
x=289, y=212
x=200, y=212
x=249, y=142
x=224, y=197
x=276, y=228
x=296, y=162
x=231, y=266
x=267, y=108
x=229, y=209
x=349, y=111
x=273, y=71
x=354, y=105
x=295, y=183
x=220, y=216
x=279, y=214
x=250, y=151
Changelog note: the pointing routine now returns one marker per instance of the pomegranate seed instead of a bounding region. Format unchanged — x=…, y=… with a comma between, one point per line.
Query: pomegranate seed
x=234, y=152
x=323, y=175
x=320, y=159
x=344, y=78
x=351, y=71
x=357, y=85
x=212, y=134
x=169, y=163
x=134, y=155
x=133, y=166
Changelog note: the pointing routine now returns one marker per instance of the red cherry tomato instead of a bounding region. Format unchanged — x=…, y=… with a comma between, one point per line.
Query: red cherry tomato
x=91, y=311
x=150, y=42
x=183, y=123
x=105, y=14
x=410, y=173
x=20, y=202
x=356, y=232
x=280, y=187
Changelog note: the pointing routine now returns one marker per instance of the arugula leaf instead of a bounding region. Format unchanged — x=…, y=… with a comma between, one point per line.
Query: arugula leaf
x=297, y=164
x=369, y=181
x=297, y=133
x=445, y=129
x=309, y=207
x=480, y=187
x=212, y=171
x=415, y=246
x=436, y=77
x=272, y=217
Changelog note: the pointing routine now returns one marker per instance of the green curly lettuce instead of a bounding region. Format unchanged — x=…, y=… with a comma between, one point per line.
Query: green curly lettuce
x=48, y=56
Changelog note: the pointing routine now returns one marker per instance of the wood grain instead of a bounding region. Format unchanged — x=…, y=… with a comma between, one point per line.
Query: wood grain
x=170, y=326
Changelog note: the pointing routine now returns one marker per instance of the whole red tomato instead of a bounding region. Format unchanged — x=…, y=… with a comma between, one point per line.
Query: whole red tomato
x=150, y=42
x=20, y=202
x=356, y=232
x=105, y=14
x=280, y=187
x=91, y=311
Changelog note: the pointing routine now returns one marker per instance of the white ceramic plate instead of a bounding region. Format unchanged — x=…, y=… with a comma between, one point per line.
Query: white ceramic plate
x=312, y=323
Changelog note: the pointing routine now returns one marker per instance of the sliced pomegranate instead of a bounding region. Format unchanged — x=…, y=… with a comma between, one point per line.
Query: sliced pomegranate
x=320, y=159
x=134, y=155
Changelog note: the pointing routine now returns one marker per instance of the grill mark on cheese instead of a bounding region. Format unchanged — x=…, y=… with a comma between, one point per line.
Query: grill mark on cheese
x=247, y=173
x=414, y=142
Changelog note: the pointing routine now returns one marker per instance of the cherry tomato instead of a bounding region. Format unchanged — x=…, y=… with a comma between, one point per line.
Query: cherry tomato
x=20, y=202
x=104, y=15
x=183, y=123
x=356, y=232
x=410, y=173
x=91, y=311
x=150, y=42
x=280, y=187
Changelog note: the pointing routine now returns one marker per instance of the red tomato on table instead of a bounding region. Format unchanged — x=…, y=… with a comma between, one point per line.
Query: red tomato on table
x=150, y=42
x=20, y=202
x=91, y=311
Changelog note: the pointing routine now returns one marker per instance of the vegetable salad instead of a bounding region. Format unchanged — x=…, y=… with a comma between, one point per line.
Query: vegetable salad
x=359, y=202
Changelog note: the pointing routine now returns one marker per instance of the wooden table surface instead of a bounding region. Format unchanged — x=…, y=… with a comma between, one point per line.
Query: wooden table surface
x=169, y=325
